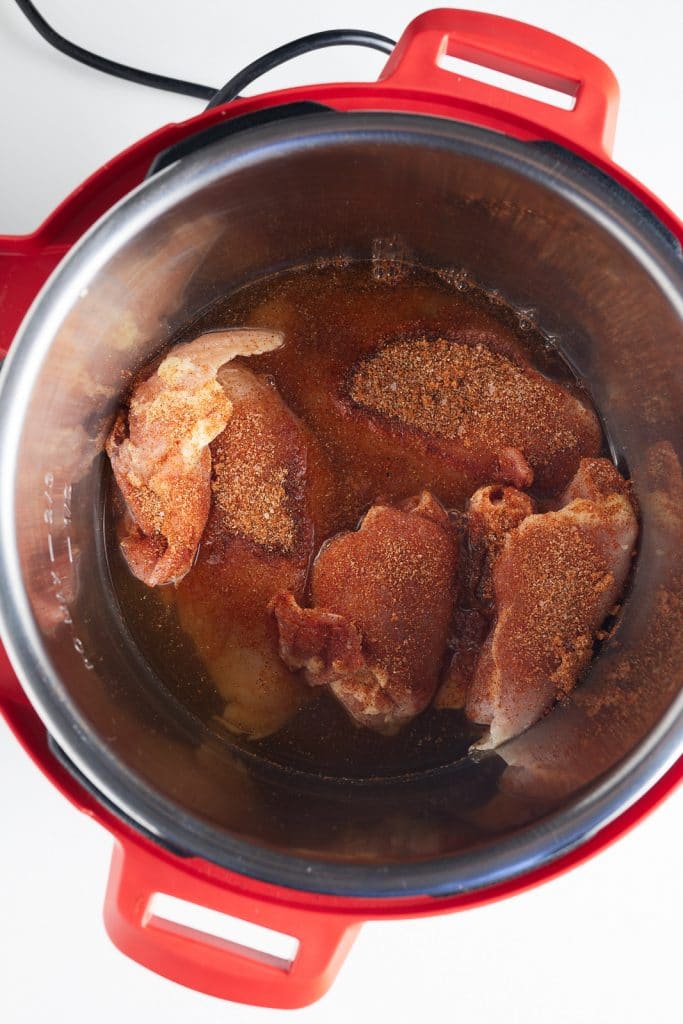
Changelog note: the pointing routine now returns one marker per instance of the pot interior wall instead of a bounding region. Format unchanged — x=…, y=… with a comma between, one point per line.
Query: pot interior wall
x=435, y=193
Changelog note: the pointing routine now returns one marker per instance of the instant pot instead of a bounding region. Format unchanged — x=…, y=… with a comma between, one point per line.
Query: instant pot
x=488, y=186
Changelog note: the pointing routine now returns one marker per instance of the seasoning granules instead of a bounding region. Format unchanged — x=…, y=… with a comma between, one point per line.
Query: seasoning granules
x=249, y=484
x=473, y=396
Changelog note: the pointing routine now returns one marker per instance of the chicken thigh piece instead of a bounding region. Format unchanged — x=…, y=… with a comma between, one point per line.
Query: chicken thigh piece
x=160, y=454
x=554, y=582
x=270, y=492
x=492, y=512
x=382, y=599
x=482, y=410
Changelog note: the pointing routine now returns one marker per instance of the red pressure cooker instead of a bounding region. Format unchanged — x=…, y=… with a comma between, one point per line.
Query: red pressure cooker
x=508, y=191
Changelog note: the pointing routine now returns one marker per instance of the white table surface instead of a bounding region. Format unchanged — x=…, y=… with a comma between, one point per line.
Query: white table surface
x=598, y=946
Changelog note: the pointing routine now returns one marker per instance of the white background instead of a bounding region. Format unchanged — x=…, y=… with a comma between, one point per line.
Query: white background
x=599, y=946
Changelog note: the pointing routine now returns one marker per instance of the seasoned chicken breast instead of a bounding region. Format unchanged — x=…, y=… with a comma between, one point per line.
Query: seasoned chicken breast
x=555, y=580
x=640, y=668
x=492, y=512
x=159, y=451
x=270, y=492
x=382, y=601
x=486, y=413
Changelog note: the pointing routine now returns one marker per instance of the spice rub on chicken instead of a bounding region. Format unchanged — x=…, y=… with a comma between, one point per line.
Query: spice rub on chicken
x=270, y=492
x=492, y=512
x=159, y=451
x=485, y=411
x=382, y=599
x=246, y=479
x=556, y=579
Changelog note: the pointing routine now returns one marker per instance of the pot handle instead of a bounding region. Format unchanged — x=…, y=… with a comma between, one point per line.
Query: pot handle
x=214, y=965
x=516, y=49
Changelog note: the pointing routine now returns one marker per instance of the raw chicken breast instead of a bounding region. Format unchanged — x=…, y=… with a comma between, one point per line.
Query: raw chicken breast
x=556, y=579
x=492, y=512
x=640, y=667
x=160, y=455
x=271, y=489
x=383, y=598
x=484, y=411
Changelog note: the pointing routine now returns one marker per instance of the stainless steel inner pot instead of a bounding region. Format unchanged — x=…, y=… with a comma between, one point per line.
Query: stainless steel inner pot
x=542, y=228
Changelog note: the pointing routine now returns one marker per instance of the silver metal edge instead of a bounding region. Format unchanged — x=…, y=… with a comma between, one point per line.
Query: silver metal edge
x=516, y=855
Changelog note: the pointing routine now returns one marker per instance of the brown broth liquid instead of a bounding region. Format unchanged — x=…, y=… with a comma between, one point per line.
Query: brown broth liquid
x=331, y=317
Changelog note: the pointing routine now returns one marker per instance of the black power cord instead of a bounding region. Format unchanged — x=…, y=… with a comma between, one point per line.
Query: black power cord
x=111, y=67
x=231, y=90
x=280, y=55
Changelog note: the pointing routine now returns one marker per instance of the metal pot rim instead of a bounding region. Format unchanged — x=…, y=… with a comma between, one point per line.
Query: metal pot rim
x=517, y=854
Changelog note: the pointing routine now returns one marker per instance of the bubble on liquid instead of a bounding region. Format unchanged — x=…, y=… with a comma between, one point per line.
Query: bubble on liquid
x=495, y=297
x=527, y=319
x=456, y=278
x=340, y=261
x=390, y=260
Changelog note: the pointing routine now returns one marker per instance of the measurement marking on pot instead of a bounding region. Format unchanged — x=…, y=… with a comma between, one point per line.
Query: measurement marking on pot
x=61, y=599
x=67, y=503
x=60, y=583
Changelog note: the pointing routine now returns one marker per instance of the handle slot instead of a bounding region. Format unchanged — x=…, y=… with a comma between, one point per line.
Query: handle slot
x=520, y=81
x=223, y=931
